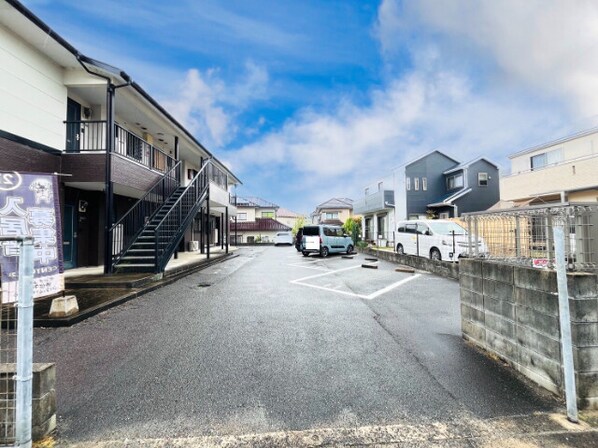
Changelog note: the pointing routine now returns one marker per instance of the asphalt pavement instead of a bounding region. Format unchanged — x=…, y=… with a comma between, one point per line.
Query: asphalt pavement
x=272, y=345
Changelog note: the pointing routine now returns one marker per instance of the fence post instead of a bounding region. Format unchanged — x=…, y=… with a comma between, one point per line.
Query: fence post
x=24, y=344
x=565, y=320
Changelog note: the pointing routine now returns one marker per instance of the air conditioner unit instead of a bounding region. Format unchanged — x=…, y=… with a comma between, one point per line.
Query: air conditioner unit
x=193, y=246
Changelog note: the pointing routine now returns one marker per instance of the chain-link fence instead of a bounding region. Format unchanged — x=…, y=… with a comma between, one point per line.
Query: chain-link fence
x=524, y=235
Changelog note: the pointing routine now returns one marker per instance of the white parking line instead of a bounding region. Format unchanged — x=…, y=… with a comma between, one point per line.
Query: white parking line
x=391, y=287
x=329, y=286
x=320, y=268
x=326, y=273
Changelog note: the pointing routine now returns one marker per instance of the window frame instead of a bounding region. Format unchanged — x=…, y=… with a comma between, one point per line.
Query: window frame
x=483, y=177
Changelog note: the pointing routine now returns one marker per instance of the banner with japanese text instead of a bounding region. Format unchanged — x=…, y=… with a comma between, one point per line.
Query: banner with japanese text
x=30, y=206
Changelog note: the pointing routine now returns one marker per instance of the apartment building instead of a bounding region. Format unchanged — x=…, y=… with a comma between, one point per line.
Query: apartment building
x=562, y=170
x=134, y=185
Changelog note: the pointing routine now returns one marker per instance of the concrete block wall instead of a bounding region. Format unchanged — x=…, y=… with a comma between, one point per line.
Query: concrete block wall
x=512, y=311
x=443, y=268
x=43, y=403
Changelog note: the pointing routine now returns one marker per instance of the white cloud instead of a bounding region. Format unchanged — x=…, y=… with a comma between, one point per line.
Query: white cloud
x=550, y=46
x=207, y=106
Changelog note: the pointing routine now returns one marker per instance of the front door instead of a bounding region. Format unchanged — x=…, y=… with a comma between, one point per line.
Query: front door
x=73, y=127
x=69, y=237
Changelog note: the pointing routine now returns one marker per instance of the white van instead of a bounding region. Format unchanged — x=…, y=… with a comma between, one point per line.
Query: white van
x=434, y=238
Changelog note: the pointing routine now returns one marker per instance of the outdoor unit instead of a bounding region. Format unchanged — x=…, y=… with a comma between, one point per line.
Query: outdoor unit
x=193, y=246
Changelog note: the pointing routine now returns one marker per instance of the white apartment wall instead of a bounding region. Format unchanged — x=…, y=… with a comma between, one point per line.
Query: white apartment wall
x=572, y=149
x=400, y=195
x=575, y=175
x=33, y=93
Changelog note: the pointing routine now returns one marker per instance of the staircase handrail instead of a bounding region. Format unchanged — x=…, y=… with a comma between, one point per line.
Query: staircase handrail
x=147, y=193
x=183, y=221
x=142, y=218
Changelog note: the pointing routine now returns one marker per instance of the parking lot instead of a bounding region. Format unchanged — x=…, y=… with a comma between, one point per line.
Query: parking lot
x=274, y=341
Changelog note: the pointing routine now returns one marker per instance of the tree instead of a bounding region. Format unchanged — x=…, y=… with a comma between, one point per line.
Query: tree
x=298, y=224
x=352, y=227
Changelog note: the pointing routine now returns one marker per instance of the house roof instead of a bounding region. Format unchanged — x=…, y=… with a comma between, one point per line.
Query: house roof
x=462, y=166
x=286, y=213
x=103, y=70
x=254, y=201
x=449, y=198
x=429, y=154
x=260, y=224
x=555, y=142
x=336, y=203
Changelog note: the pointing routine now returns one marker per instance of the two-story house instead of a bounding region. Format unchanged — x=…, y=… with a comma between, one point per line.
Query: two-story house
x=333, y=211
x=132, y=179
x=434, y=185
x=255, y=221
x=563, y=170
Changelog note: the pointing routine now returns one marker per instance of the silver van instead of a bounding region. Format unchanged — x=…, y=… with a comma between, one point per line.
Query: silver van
x=325, y=239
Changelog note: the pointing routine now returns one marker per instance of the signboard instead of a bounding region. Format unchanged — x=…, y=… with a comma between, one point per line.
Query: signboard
x=29, y=206
x=540, y=262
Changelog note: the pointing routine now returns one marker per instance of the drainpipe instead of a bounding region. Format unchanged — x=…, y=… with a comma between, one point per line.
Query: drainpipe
x=227, y=222
x=109, y=186
x=179, y=173
x=208, y=227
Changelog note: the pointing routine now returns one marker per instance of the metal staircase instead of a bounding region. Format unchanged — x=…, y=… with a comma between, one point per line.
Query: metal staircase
x=147, y=236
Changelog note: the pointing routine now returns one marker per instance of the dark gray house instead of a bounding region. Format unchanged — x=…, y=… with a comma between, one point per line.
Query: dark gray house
x=434, y=184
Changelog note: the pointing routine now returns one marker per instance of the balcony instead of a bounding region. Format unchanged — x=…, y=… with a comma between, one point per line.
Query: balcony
x=375, y=202
x=86, y=137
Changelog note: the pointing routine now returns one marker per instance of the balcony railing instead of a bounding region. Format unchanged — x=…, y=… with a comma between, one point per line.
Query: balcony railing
x=87, y=136
x=374, y=202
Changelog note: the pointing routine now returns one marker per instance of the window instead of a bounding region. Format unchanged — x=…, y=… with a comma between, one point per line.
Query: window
x=424, y=183
x=483, y=179
x=416, y=183
x=241, y=216
x=408, y=183
x=268, y=215
x=547, y=158
x=455, y=181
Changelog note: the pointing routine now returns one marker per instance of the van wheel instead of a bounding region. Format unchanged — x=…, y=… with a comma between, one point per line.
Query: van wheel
x=349, y=249
x=305, y=254
x=324, y=252
x=400, y=249
x=435, y=254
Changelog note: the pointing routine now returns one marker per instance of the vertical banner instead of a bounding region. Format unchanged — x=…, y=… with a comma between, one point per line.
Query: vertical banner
x=30, y=206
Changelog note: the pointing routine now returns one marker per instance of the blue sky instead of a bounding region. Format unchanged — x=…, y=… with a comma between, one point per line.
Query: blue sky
x=308, y=100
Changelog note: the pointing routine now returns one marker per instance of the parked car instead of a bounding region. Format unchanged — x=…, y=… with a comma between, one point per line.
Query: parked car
x=298, y=239
x=283, y=238
x=434, y=238
x=325, y=239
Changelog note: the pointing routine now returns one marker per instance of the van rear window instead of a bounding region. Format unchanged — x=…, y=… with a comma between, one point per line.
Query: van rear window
x=311, y=231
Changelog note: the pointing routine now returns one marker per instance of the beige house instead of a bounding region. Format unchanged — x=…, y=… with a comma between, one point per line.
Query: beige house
x=289, y=218
x=563, y=170
x=333, y=211
x=256, y=221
